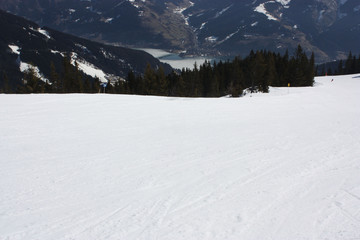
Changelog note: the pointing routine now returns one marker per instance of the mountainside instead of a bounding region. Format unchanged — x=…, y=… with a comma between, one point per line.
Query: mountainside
x=330, y=28
x=24, y=43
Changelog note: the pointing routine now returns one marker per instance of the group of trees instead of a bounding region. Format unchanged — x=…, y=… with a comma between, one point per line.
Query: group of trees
x=256, y=72
x=349, y=66
x=69, y=80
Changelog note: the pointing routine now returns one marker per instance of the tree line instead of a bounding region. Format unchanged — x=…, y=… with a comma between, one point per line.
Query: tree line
x=256, y=72
x=349, y=66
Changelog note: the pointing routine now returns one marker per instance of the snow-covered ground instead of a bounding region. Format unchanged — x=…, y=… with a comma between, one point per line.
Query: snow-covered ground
x=284, y=165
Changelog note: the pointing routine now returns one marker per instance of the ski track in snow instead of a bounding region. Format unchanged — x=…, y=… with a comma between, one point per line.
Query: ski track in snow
x=283, y=165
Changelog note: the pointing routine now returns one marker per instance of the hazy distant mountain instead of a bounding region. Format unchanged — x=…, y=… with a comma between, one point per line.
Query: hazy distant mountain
x=23, y=42
x=330, y=28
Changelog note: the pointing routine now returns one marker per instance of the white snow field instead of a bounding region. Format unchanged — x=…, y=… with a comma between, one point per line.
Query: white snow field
x=280, y=166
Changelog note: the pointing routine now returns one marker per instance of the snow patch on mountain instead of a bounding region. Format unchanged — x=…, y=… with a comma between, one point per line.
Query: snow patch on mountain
x=41, y=31
x=88, y=68
x=228, y=37
x=218, y=14
x=27, y=66
x=203, y=25
x=261, y=9
x=180, y=11
x=15, y=49
x=284, y=2
x=211, y=39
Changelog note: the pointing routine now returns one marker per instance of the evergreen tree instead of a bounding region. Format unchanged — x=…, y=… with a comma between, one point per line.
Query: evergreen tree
x=349, y=64
x=77, y=85
x=260, y=81
x=150, y=81
x=310, y=71
x=6, y=87
x=162, y=82
x=31, y=83
x=131, y=82
x=340, y=69
x=271, y=74
x=55, y=80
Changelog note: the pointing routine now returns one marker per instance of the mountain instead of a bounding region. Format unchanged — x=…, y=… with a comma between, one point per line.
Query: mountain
x=134, y=23
x=330, y=28
x=24, y=43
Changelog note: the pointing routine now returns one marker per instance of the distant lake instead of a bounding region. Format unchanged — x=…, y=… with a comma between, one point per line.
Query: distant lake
x=176, y=61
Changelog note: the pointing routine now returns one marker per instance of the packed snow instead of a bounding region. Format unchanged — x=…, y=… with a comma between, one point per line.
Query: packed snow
x=283, y=165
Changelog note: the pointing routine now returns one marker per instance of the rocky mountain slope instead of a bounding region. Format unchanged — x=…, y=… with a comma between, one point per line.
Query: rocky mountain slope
x=330, y=28
x=24, y=43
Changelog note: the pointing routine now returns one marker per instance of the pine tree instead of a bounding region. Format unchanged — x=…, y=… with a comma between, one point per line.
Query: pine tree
x=162, y=83
x=77, y=81
x=271, y=74
x=340, y=69
x=31, y=81
x=310, y=71
x=259, y=79
x=6, y=88
x=236, y=79
x=150, y=80
x=131, y=82
x=349, y=64
x=55, y=80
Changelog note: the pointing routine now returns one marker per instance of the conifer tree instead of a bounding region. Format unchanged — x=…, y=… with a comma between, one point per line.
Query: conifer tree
x=349, y=64
x=6, y=88
x=55, y=80
x=259, y=73
x=150, y=80
x=162, y=83
x=271, y=74
x=340, y=69
x=310, y=71
x=31, y=82
x=131, y=82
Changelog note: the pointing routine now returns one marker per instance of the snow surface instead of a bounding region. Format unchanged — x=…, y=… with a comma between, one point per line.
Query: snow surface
x=283, y=165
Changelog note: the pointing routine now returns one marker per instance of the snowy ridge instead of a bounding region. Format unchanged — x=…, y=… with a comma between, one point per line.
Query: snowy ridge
x=26, y=66
x=261, y=9
x=283, y=165
x=88, y=68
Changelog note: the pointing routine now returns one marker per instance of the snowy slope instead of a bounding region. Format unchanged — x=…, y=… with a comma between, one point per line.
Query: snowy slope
x=283, y=165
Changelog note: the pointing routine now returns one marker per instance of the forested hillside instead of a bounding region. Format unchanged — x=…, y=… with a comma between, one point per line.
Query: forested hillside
x=256, y=72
